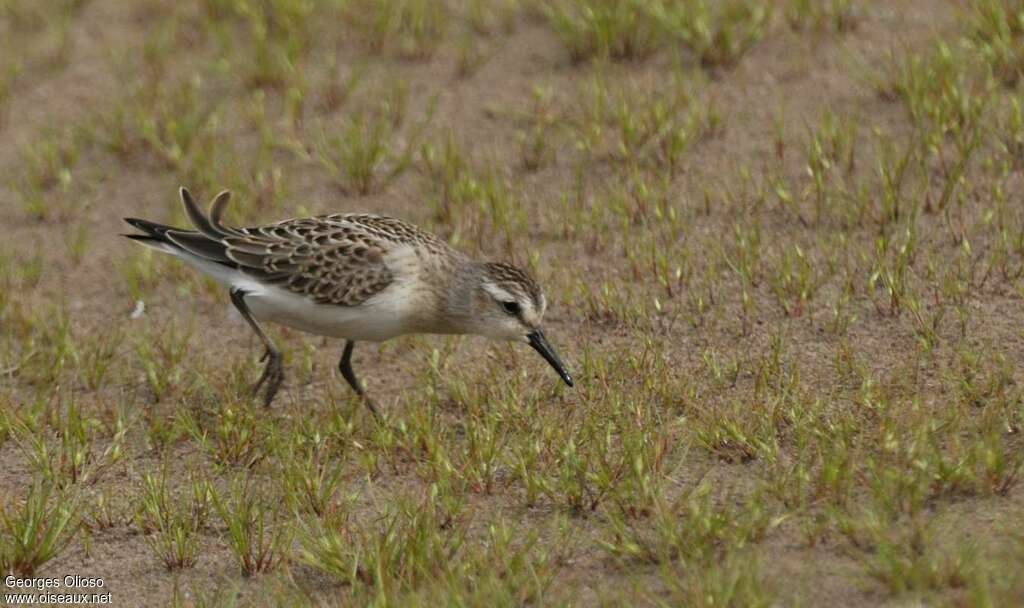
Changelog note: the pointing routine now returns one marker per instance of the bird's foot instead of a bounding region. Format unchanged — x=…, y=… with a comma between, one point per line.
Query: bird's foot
x=372, y=406
x=272, y=376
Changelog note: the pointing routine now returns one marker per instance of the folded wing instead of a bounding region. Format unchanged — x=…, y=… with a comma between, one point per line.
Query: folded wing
x=330, y=259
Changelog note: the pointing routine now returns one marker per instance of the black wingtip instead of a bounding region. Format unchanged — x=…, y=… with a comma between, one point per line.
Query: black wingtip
x=195, y=215
x=217, y=207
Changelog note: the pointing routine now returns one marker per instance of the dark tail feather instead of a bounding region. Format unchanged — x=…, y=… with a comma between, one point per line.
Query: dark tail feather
x=154, y=235
x=154, y=231
x=144, y=238
x=200, y=245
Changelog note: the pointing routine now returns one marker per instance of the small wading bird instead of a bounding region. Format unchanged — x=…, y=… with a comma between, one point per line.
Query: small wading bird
x=359, y=277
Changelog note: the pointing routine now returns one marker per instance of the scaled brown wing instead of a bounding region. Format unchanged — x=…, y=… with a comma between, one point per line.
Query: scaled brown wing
x=331, y=260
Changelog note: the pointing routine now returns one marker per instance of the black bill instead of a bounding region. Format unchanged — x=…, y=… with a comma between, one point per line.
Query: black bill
x=542, y=346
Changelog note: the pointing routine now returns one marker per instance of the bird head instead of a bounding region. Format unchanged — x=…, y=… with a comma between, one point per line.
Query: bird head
x=509, y=305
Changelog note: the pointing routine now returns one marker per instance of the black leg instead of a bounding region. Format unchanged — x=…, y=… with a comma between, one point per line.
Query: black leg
x=273, y=373
x=345, y=366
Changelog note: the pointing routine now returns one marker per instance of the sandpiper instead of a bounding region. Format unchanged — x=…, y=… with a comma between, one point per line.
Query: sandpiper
x=359, y=277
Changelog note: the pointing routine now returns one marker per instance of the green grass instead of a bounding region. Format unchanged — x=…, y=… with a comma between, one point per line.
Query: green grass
x=717, y=34
x=37, y=530
x=258, y=532
x=822, y=15
x=621, y=29
x=404, y=557
x=174, y=524
x=356, y=156
x=48, y=188
x=997, y=25
x=412, y=29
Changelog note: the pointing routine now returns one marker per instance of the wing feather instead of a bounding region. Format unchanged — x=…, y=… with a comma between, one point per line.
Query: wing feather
x=332, y=261
x=195, y=215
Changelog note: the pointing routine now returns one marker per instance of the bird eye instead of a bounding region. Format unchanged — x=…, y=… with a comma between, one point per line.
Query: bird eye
x=511, y=308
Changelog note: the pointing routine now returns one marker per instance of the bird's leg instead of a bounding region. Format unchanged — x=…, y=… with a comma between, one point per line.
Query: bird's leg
x=345, y=366
x=273, y=372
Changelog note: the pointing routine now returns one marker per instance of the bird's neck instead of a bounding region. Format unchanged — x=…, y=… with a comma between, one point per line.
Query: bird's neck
x=452, y=285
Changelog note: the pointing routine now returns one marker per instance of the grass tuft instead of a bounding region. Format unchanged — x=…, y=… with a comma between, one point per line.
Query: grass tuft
x=259, y=532
x=37, y=529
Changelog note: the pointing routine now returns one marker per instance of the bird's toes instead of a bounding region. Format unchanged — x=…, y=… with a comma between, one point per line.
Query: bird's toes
x=275, y=377
x=259, y=383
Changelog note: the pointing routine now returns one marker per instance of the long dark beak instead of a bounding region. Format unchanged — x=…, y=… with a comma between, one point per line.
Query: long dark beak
x=542, y=346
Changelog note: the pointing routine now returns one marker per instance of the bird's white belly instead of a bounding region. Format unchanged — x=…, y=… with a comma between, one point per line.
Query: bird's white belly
x=367, y=322
x=381, y=317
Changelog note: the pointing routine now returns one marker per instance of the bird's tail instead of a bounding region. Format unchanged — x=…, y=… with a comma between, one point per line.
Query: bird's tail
x=205, y=242
x=153, y=235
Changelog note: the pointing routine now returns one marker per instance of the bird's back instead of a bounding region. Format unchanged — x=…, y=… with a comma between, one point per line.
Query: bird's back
x=340, y=259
